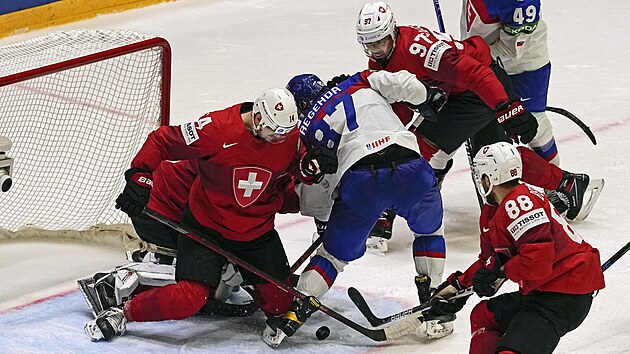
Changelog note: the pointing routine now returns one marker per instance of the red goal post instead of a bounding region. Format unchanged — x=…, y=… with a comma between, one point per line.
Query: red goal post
x=77, y=105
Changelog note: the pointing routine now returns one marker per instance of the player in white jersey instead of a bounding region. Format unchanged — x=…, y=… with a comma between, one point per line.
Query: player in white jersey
x=517, y=35
x=367, y=162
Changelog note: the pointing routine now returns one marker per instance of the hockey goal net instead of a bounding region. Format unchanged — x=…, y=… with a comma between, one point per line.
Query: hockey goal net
x=77, y=106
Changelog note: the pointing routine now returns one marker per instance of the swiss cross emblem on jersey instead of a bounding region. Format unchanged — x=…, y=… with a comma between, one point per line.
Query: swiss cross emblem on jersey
x=248, y=183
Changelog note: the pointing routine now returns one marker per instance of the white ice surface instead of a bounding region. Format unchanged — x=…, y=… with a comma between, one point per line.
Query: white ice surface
x=228, y=51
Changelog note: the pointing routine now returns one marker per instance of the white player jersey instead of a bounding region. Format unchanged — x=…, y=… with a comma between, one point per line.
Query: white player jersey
x=514, y=30
x=355, y=118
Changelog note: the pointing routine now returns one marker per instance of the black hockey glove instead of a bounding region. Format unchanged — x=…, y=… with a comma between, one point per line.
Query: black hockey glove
x=135, y=196
x=487, y=280
x=440, y=303
x=321, y=226
x=436, y=99
x=318, y=162
x=517, y=121
x=336, y=80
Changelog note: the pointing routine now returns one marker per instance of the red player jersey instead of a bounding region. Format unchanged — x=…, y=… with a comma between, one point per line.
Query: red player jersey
x=545, y=253
x=171, y=186
x=439, y=60
x=241, y=178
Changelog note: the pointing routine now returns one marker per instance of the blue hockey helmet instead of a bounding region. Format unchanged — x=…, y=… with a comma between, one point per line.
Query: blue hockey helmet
x=305, y=88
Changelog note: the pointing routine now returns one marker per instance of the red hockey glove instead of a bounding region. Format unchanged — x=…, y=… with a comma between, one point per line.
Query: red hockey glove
x=517, y=121
x=136, y=194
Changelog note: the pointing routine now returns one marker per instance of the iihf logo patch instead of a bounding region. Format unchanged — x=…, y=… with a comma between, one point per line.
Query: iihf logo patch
x=379, y=142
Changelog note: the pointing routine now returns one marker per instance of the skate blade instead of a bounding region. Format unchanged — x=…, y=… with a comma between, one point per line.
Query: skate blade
x=273, y=338
x=86, y=286
x=376, y=245
x=593, y=191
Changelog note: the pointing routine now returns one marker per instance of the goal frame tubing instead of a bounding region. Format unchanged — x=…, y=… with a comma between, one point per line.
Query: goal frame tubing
x=104, y=55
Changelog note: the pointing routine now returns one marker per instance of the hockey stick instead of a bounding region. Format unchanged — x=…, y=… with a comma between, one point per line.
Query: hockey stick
x=438, y=15
x=575, y=120
x=375, y=321
x=396, y=330
x=616, y=256
x=307, y=253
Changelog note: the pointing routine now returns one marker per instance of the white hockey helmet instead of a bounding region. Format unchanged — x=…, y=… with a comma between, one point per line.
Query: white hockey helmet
x=278, y=113
x=375, y=22
x=501, y=162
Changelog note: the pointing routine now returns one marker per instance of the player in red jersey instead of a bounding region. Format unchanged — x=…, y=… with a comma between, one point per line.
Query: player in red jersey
x=523, y=239
x=481, y=105
x=244, y=155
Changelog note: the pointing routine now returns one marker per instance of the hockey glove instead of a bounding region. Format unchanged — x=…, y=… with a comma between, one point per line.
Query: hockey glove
x=136, y=194
x=319, y=161
x=336, y=80
x=517, y=121
x=436, y=99
x=321, y=226
x=488, y=279
x=440, y=304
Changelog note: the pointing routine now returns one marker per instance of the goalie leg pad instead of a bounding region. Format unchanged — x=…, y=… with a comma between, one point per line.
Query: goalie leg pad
x=231, y=279
x=118, y=286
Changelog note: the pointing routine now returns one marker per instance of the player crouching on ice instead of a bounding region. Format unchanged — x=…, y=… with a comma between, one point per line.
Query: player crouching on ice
x=368, y=162
x=232, y=202
x=523, y=239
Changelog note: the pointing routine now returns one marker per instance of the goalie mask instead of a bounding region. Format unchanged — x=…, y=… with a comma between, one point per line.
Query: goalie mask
x=305, y=88
x=501, y=162
x=376, y=30
x=278, y=115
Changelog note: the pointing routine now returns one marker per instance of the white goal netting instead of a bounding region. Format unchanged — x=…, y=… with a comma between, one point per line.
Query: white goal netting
x=77, y=106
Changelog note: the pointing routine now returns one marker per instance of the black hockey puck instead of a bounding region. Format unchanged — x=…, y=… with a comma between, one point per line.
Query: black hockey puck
x=322, y=332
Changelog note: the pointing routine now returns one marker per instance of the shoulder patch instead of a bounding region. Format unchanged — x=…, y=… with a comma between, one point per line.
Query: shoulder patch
x=434, y=55
x=527, y=221
x=189, y=132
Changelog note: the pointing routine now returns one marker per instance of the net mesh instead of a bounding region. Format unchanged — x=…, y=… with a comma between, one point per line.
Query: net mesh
x=75, y=131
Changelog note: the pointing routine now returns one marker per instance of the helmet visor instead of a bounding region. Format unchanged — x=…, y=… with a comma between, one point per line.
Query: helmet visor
x=379, y=50
x=276, y=136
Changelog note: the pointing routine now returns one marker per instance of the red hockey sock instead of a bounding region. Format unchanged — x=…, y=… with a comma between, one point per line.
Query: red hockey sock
x=273, y=301
x=539, y=172
x=485, y=332
x=171, y=302
x=427, y=150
